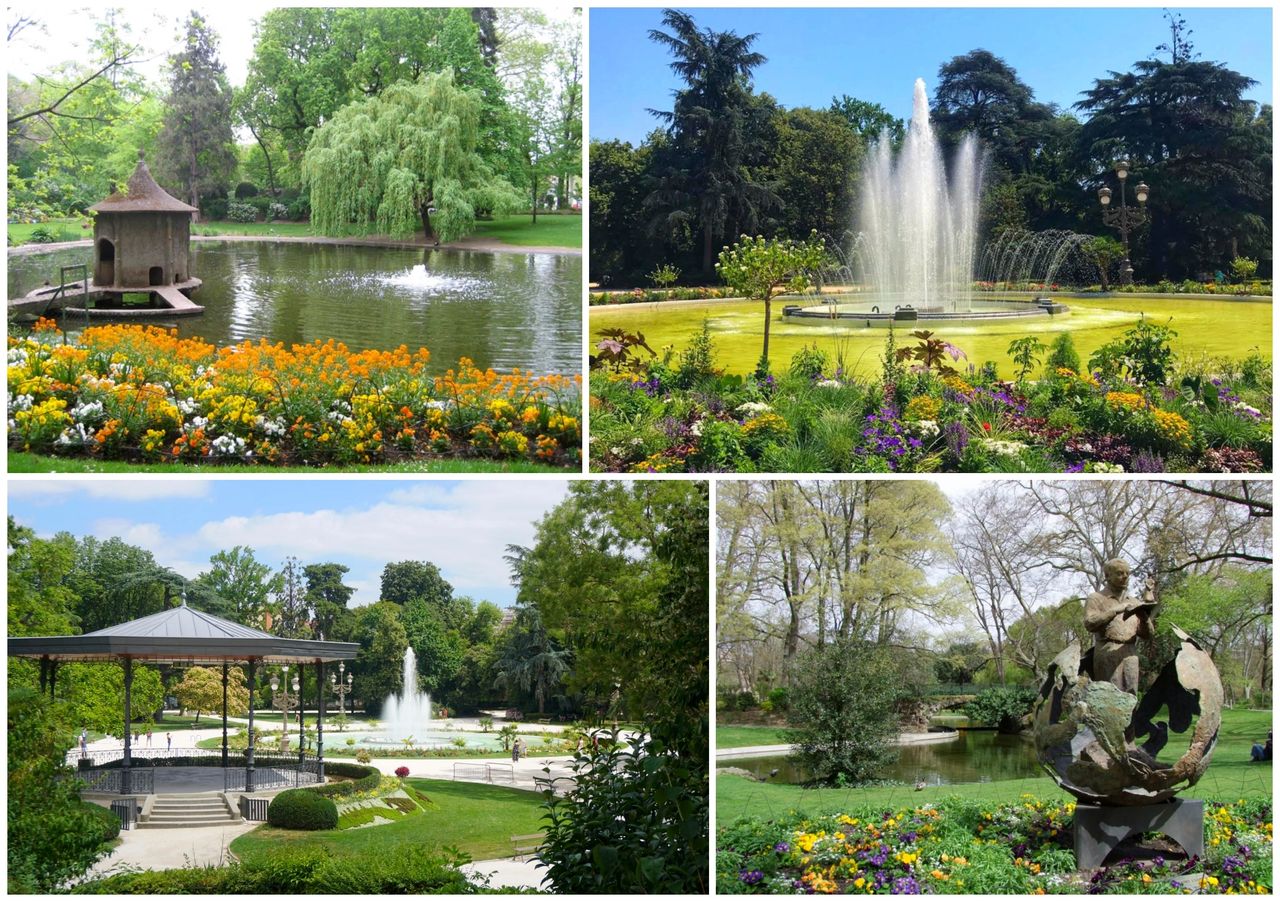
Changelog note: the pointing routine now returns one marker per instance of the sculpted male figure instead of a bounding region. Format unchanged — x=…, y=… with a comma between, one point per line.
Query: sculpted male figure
x=1117, y=621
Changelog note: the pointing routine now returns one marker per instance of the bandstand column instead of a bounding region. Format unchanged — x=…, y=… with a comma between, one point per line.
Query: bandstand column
x=44, y=674
x=248, y=753
x=126, y=786
x=53, y=678
x=302, y=692
x=224, y=715
x=320, y=720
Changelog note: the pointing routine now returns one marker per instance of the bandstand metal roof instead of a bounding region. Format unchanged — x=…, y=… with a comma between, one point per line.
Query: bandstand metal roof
x=182, y=635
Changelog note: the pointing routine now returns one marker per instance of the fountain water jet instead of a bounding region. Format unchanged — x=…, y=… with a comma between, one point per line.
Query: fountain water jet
x=915, y=252
x=409, y=713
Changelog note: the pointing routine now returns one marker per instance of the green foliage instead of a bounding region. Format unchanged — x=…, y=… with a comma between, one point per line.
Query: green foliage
x=635, y=821
x=507, y=735
x=760, y=268
x=201, y=691
x=242, y=212
x=843, y=713
x=53, y=836
x=1003, y=707
x=382, y=641
x=1062, y=354
x=809, y=362
x=697, y=362
x=1143, y=354
x=1025, y=352
x=930, y=353
x=1243, y=268
x=410, y=156
x=302, y=809
x=1106, y=252
x=413, y=869
x=364, y=779
x=664, y=276
x=530, y=662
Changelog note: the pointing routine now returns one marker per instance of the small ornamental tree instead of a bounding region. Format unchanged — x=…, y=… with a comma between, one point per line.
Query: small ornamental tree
x=406, y=158
x=201, y=691
x=760, y=269
x=1244, y=268
x=843, y=711
x=1002, y=707
x=1106, y=252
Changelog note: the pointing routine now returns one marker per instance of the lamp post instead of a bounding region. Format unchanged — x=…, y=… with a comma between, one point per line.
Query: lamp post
x=281, y=699
x=1124, y=217
x=342, y=688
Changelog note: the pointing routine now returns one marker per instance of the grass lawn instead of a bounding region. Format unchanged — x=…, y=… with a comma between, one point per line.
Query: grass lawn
x=735, y=736
x=25, y=462
x=474, y=817
x=1230, y=328
x=69, y=229
x=1231, y=776
x=562, y=230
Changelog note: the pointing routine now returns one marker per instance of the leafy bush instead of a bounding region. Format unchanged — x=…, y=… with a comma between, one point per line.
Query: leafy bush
x=43, y=235
x=843, y=711
x=1002, y=707
x=363, y=756
x=363, y=779
x=300, y=209
x=277, y=212
x=635, y=821
x=302, y=809
x=214, y=206
x=411, y=869
x=53, y=836
x=237, y=212
x=1062, y=354
x=246, y=189
x=808, y=363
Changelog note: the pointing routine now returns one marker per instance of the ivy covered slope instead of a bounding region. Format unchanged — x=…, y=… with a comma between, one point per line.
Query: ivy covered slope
x=1132, y=407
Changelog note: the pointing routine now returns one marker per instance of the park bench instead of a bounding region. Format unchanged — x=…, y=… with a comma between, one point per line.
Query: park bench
x=527, y=844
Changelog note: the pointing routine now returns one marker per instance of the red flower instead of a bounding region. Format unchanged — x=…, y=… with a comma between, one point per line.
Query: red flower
x=986, y=427
x=402, y=772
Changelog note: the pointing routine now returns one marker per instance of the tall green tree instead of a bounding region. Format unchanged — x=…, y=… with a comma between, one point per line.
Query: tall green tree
x=1203, y=148
x=705, y=182
x=328, y=597
x=404, y=581
x=291, y=603
x=383, y=640
x=244, y=583
x=530, y=662
x=197, y=145
x=408, y=157
x=869, y=120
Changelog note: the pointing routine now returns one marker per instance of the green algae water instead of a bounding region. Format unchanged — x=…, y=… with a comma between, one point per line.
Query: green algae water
x=502, y=310
x=1221, y=328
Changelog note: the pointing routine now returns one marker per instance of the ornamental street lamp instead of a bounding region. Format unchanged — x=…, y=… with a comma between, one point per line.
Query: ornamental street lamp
x=280, y=698
x=342, y=688
x=1124, y=217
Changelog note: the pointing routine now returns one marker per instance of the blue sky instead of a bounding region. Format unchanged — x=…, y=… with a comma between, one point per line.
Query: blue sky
x=877, y=54
x=463, y=527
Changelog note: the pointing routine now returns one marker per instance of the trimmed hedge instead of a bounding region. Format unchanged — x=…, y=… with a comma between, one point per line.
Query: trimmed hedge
x=364, y=779
x=302, y=809
x=110, y=822
x=410, y=870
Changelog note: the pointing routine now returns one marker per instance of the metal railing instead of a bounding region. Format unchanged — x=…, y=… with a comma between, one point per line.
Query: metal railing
x=101, y=769
x=472, y=773
x=111, y=780
x=254, y=809
x=127, y=811
x=271, y=772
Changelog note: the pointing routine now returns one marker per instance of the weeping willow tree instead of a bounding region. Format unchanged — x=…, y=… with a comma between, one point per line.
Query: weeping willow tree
x=405, y=158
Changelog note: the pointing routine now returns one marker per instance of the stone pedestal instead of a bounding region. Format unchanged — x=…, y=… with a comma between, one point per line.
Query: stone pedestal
x=1099, y=829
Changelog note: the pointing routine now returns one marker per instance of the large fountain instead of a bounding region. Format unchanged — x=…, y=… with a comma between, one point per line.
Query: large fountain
x=914, y=254
x=409, y=713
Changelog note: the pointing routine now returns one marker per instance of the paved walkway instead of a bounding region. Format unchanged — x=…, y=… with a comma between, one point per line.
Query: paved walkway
x=760, y=751
x=160, y=850
x=512, y=872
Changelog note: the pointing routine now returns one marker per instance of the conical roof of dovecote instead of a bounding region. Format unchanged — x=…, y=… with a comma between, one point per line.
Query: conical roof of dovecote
x=142, y=195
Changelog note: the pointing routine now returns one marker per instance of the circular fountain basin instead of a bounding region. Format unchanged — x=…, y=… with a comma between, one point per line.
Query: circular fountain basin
x=880, y=311
x=427, y=739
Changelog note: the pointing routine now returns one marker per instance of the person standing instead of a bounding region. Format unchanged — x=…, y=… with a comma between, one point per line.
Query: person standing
x=168, y=742
x=515, y=752
x=148, y=737
x=84, y=742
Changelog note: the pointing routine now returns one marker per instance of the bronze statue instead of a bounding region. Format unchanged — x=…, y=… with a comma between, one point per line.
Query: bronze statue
x=1117, y=621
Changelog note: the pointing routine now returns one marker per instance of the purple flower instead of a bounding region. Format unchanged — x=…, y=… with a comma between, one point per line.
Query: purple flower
x=1075, y=468
x=782, y=847
x=957, y=439
x=906, y=886
x=1146, y=462
x=750, y=878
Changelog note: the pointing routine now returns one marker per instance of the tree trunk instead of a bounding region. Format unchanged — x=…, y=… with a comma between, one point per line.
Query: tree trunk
x=266, y=155
x=764, y=355
x=707, y=268
x=428, y=233
x=533, y=193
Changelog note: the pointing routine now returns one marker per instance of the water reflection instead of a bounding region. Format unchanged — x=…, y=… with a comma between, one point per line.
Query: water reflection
x=502, y=310
x=975, y=756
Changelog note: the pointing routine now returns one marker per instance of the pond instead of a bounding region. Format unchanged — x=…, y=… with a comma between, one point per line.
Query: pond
x=976, y=756
x=503, y=310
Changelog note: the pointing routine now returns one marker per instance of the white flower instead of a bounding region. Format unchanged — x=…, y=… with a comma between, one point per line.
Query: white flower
x=1098, y=466
x=828, y=383
x=753, y=408
x=696, y=428
x=187, y=406
x=21, y=402
x=88, y=412
x=1246, y=409
x=928, y=428
x=75, y=435
x=227, y=446
x=17, y=356
x=1001, y=446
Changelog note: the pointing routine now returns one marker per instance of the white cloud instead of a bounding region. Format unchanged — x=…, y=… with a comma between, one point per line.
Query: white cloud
x=56, y=490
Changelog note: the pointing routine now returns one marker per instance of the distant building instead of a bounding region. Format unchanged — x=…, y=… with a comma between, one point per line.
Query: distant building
x=141, y=236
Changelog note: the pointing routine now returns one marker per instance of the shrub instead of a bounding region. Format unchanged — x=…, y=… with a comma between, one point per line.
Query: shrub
x=697, y=361
x=635, y=821
x=276, y=212
x=246, y=189
x=1002, y=707
x=364, y=779
x=1063, y=354
x=808, y=363
x=214, y=206
x=302, y=809
x=242, y=212
x=402, y=772
x=843, y=713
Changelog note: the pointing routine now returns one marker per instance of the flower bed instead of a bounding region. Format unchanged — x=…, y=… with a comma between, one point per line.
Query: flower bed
x=967, y=847
x=1132, y=409
x=142, y=393
x=656, y=295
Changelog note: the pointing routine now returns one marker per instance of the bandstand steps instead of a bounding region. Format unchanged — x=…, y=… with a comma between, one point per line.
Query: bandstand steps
x=188, y=811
